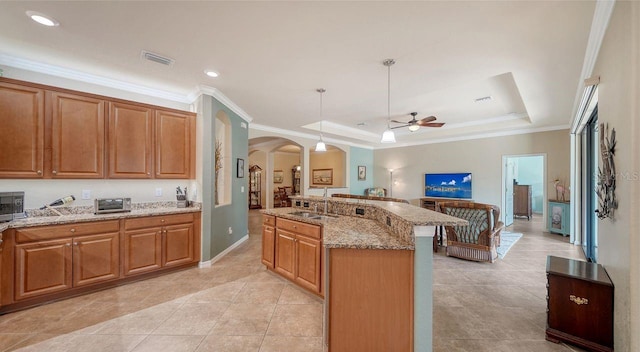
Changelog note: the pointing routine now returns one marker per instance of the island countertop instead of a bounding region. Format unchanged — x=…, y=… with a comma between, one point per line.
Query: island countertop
x=347, y=231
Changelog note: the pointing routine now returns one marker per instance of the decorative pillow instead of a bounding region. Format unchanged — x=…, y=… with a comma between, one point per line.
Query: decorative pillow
x=376, y=192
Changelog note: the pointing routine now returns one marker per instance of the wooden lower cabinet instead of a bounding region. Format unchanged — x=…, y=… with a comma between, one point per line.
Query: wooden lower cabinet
x=52, y=262
x=370, y=303
x=142, y=251
x=156, y=242
x=268, y=246
x=50, y=266
x=42, y=268
x=297, y=252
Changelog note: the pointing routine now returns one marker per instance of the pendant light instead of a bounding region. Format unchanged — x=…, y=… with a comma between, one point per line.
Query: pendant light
x=388, y=136
x=320, y=146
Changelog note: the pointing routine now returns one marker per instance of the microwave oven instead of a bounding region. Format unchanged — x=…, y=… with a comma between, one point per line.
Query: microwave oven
x=11, y=206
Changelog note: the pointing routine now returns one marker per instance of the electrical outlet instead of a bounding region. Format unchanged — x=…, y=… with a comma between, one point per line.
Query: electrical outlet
x=241, y=189
x=158, y=192
x=86, y=194
x=230, y=230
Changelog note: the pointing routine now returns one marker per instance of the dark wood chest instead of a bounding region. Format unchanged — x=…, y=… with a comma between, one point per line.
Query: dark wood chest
x=579, y=304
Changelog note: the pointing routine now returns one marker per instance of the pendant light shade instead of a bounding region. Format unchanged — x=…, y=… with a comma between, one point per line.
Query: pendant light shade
x=320, y=146
x=388, y=136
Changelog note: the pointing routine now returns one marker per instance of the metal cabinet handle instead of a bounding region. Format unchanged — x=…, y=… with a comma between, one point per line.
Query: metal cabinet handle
x=75, y=243
x=39, y=172
x=148, y=174
x=68, y=244
x=73, y=230
x=162, y=220
x=54, y=172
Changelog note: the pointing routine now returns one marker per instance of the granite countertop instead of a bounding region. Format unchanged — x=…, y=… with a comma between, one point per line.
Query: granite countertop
x=411, y=213
x=86, y=217
x=348, y=232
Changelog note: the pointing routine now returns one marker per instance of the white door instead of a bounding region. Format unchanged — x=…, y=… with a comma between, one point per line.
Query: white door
x=508, y=192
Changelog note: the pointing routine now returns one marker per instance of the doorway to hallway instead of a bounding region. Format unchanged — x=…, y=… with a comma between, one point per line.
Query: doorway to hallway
x=523, y=191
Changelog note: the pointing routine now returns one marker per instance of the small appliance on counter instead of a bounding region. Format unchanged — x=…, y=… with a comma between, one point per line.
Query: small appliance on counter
x=111, y=205
x=11, y=206
x=181, y=197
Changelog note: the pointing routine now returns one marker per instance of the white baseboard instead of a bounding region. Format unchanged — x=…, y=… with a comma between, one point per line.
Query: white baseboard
x=208, y=263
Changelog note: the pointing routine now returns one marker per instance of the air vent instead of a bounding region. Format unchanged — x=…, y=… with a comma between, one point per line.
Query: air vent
x=147, y=55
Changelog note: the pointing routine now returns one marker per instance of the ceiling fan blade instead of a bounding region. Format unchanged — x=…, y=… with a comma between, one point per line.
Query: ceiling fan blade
x=397, y=121
x=433, y=124
x=424, y=121
x=393, y=128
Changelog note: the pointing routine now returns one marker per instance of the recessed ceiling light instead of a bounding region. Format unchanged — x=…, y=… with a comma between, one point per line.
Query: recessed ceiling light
x=484, y=99
x=43, y=19
x=211, y=73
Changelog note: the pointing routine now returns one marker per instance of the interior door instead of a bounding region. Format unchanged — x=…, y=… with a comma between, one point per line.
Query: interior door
x=509, y=170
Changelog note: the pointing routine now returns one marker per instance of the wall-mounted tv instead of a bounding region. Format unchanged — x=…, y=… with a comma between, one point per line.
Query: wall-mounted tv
x=452, y=185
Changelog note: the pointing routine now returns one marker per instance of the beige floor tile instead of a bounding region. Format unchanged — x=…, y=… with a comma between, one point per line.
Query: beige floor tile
x=244, y=319
x=142, y=322
x=230, y=344
x=296, y=320
x=192, y=319
x=225, y=292
x=157, y=343
x=292, y=294
x=260, y=292
x=9, y=340
x=291, y=344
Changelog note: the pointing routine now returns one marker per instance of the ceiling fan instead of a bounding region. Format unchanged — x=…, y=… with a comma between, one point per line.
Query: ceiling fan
x=415, y=125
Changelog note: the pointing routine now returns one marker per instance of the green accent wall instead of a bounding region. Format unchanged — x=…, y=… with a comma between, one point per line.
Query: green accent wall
x=217, y=220
x=360, y=157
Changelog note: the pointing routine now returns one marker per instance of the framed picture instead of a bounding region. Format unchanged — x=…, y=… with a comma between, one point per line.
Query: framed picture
x=278, y=176
x=322, y=176
x=240, y=168
x=362, y=173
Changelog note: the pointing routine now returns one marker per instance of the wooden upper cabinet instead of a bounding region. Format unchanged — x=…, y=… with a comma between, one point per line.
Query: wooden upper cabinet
x=130, y=141
x=77, y=136
x=175, y=144
x=21, y=131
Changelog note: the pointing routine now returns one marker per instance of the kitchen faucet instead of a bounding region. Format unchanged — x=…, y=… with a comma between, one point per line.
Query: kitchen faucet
x=325, y=200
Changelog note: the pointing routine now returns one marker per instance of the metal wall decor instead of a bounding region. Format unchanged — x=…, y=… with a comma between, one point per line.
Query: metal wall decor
x=606, y=189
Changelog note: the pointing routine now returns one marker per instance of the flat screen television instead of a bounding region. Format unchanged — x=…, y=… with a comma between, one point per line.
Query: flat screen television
x=452, y=185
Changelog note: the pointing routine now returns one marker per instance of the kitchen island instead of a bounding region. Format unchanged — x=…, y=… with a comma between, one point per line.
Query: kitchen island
x=376, y=266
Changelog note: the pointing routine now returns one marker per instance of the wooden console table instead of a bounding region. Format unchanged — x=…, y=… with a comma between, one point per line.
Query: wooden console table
x=579, y=304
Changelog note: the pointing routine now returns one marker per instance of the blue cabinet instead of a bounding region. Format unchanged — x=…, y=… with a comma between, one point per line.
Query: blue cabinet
x=559, y=217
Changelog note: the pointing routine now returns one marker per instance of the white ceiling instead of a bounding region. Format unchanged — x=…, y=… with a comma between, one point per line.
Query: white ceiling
x=272, y=56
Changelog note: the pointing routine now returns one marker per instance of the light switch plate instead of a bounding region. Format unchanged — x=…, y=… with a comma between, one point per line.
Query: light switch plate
x=158, y=192
x=241, y=189
x=86, y=194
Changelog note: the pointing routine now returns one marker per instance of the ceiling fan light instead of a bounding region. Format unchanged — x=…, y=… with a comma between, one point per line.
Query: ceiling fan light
x=414, y=128
x=388, y=137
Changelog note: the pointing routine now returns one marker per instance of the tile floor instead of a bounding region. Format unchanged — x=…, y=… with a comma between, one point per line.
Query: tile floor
x=236, y=305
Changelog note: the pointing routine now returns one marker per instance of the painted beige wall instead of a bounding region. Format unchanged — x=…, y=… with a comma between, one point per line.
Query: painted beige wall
x=481, y=157
x=331, y=159
x=285, y=162
x=618, y=239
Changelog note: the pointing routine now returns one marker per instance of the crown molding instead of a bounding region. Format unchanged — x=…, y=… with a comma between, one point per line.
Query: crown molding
x=599, y=25
x=478, y=136
x=68, y=73
x=216, y=93
x=281, y=131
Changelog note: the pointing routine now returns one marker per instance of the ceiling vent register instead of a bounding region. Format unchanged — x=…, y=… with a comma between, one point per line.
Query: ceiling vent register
x=147, y=55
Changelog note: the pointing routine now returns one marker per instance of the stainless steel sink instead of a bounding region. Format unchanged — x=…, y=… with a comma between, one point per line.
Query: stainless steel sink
x=306, y=214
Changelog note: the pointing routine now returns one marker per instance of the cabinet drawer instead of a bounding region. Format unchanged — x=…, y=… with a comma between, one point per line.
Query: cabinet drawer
x=41, y=233
x=269, y=220
x=301, y=228
x=154, y=221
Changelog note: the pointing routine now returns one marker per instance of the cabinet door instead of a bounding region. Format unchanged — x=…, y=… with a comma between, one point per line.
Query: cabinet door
x=308, y=252
x=42, y=268
x=130, y=141
x=268, y=246
x=22, y=131
x=175, y=145
x=95, y=258
x=77, y=136
x=285, y=253
x=178, y=244
x=142, y=251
